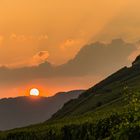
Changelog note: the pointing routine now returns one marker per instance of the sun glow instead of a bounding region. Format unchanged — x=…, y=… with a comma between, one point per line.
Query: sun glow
x=34, y=92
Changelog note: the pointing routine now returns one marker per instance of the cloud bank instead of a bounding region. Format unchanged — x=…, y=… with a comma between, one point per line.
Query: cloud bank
x=95, y=59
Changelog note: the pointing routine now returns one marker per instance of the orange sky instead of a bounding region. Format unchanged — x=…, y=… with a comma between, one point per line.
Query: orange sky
x=59, y=27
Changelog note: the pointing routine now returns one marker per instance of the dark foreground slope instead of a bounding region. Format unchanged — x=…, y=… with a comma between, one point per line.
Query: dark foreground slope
x=22, y=111
x=105, y=92
x=98, y=113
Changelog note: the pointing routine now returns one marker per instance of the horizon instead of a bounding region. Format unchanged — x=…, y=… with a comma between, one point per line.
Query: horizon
x=45, y=91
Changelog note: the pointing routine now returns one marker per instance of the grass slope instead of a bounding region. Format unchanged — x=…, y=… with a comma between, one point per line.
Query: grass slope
x=103, y=93
x=91, y=117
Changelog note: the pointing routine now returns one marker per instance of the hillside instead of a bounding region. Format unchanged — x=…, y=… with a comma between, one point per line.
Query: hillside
x=104, y=92
x=22, y=111
x=100, y=113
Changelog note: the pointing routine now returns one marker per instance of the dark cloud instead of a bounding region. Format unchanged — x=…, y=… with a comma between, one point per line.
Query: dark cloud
x=98, y=58
x=93, y=59
x=42, y=53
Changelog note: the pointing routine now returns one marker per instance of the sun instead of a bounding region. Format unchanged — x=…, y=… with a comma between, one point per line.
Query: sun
x=34, y=92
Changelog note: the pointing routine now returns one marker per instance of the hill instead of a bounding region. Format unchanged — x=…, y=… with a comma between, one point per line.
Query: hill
x=100, y=113
x=22, y=111
x=105, y=92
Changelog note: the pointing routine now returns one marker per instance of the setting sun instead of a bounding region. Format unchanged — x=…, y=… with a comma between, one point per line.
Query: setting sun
x=34, y=92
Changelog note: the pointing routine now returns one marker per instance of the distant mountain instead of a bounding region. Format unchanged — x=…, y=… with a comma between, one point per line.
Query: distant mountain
x=22, y=111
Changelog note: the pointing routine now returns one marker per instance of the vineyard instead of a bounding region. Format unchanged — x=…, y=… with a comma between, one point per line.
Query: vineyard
x=119, y=125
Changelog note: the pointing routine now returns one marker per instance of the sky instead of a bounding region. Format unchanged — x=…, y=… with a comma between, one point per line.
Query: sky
x=55, y=26
x=35, y=31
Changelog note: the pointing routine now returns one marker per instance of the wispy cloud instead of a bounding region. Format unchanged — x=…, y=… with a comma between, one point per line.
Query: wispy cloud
x=40, y=57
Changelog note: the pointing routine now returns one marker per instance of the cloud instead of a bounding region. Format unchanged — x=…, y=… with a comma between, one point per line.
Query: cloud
x=40, y=57
x=93, y=59
x=22, y=37
x=96, y=60
x=69, y=43
x=135, y=53
x=69, y=48
x=35, y=60
x=15, y=37
x=20, y=48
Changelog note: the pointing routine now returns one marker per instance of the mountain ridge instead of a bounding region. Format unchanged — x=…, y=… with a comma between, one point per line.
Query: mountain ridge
x=26, y=110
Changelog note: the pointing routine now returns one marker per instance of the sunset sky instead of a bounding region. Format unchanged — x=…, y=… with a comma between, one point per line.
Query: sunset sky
x=35, y=31
x=55, y=26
